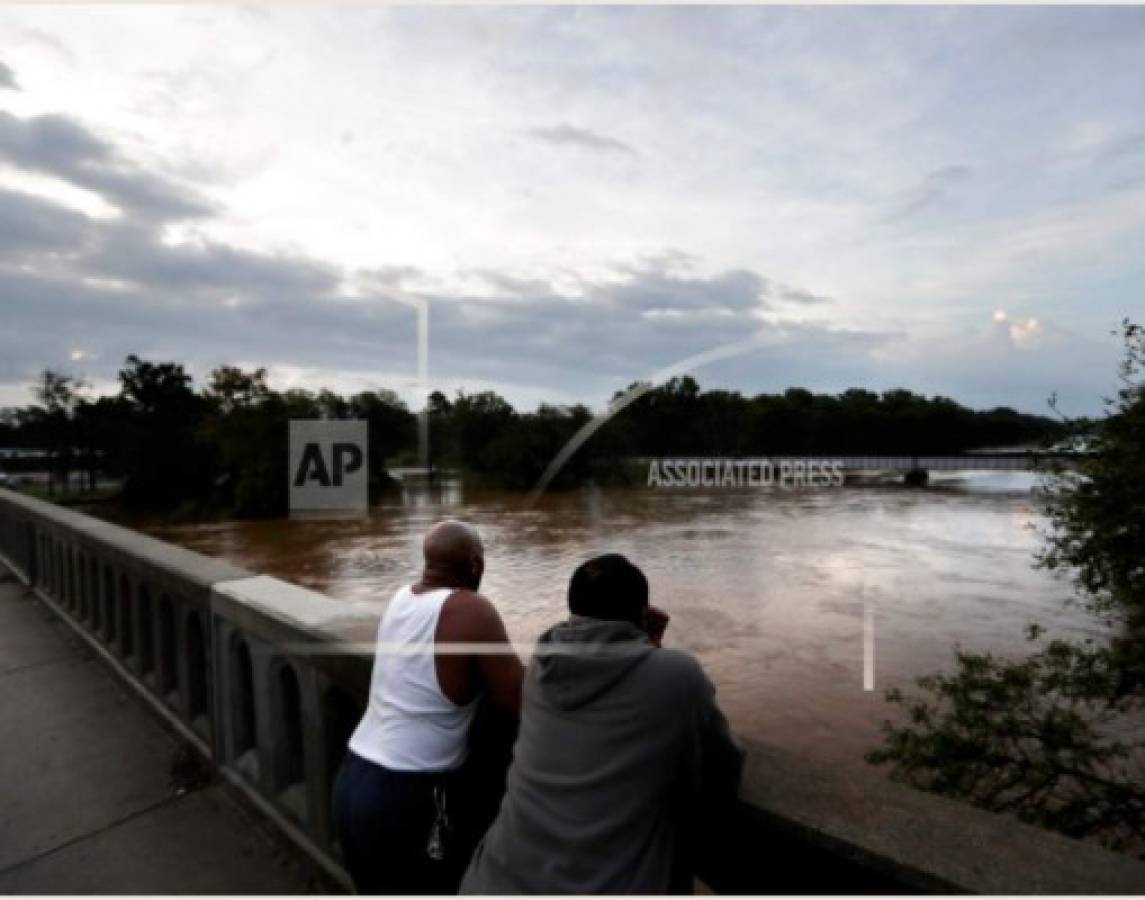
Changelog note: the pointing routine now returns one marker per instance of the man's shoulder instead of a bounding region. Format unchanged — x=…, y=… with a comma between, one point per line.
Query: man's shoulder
x=465, y=600
x=674, y=685
x=468, y=615
x=678, y=665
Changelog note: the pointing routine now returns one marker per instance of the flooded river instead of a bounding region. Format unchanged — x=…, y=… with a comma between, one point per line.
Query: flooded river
x=769, y=588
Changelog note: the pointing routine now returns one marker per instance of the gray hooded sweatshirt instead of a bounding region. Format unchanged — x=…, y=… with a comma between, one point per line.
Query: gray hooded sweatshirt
x=621, y=748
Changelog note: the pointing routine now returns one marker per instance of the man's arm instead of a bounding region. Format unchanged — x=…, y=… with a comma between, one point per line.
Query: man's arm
x=712, y=830
x=469, y=618
x=721, y=756
x=500, y=673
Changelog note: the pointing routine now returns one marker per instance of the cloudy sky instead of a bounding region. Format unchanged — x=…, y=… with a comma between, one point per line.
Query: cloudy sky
x=949, y=200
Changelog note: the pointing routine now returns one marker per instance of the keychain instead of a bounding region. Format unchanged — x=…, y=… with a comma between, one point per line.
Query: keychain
x=438, y=834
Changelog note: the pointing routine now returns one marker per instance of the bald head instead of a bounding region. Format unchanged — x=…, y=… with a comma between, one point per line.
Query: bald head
x=454, y=555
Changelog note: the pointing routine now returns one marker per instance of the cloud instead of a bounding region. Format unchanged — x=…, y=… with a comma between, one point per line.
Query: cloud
x=571, y=136
x=31, y=225
x=935, y=187
x=394, y=276
x=1022, y=333
x=671, y=258
x=133, y=254
x=510, y=285
x=737, y=292
x=108, y=287
x=1128, y=145
x=770, y=169
x=59, y=146
x=799, y=295
x=112, y=287
x=1026, y=333
x=7, y=78
x=52, y=144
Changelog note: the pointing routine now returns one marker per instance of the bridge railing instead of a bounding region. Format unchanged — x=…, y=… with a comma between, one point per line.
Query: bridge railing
x=250, y=670
x=195, y=637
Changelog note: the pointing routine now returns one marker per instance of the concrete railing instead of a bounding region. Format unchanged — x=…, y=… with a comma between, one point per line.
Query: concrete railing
x=225, y=656
x=248, y=669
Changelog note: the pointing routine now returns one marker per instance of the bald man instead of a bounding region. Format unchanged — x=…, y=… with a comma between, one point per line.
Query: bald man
x=400, y=799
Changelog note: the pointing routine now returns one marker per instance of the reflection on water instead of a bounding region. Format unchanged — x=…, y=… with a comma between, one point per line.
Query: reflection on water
x=766, y=587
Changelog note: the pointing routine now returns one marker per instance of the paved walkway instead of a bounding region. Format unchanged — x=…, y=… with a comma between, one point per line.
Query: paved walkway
x=87, y=801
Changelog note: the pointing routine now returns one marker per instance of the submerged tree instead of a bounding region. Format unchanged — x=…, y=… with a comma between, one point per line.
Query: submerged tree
x=1057, y=737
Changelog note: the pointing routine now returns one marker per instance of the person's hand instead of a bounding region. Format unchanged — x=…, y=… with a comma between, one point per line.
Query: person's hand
x=656, y=623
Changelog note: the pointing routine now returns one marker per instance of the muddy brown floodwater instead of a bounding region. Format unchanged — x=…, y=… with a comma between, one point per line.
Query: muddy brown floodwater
x=767, y=588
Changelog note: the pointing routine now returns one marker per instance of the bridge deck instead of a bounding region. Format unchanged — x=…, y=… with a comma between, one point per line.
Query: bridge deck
x=86, y=797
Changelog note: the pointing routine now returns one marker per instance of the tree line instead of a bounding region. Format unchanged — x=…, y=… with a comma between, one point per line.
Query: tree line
x=221, y=449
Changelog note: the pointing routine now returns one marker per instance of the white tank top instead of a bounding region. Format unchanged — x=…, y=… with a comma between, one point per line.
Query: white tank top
x=410, y=725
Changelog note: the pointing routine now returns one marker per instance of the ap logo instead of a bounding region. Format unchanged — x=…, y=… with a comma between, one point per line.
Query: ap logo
x=328, y=465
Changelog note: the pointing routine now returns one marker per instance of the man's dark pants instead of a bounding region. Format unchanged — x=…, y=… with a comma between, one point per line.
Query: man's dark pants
x=384, y=819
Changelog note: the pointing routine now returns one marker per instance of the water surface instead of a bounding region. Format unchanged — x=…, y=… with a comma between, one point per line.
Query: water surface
x=767, y=587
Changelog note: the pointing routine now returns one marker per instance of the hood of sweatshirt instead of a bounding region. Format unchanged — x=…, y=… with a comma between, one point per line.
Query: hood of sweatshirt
x=582, y=658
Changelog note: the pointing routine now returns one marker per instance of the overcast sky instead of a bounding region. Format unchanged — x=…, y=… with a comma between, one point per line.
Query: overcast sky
x=948, y=200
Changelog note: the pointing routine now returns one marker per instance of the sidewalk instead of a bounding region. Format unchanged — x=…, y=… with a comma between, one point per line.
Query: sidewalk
x=87, y=802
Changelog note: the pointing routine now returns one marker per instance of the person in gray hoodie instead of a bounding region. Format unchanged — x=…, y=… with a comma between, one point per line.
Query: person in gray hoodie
x=623, y=761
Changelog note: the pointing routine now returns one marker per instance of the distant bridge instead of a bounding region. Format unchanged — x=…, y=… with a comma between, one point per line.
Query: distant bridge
x=993, y=461
x=915, y=468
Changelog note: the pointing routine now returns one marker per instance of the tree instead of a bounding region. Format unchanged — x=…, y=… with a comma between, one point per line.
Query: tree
x=58, y=394
x=246, y=430
x=230, y=387
x=476, y=422
x=1056, y=737
x=9, y=426
x=100, y=430
x=219, y=450
x=518, y=455
x=156, y=388
x=164, y=459
x=391, y=428
x=331, y=405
